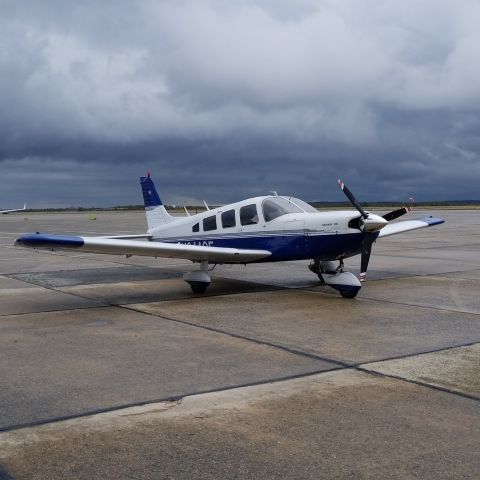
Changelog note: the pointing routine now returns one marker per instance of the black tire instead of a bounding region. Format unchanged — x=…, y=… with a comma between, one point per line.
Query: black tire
x=199, y=287
x=348, y=293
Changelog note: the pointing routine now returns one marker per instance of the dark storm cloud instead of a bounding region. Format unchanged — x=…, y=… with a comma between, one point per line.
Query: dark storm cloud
x=223, y=100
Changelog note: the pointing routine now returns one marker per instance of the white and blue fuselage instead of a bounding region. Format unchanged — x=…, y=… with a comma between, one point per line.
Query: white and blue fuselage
x=287, y=227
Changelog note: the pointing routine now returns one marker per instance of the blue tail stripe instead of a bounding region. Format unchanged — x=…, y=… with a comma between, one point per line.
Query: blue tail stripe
x=150, y=195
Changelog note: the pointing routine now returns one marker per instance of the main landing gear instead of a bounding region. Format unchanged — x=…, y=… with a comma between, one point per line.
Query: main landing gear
x=346, y=283
x=198, y=280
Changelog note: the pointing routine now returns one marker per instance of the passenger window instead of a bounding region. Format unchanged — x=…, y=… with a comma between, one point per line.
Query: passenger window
x=210, y=223
x=228, y=219
x=196, y=227
x=249, y=215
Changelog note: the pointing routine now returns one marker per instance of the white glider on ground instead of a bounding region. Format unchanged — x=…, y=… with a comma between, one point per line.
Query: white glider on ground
x=4, y=212
x=270, y=228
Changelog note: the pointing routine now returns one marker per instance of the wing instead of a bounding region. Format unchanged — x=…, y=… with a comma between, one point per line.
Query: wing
x=146, y=236
x=400, y=227
x=117, y=246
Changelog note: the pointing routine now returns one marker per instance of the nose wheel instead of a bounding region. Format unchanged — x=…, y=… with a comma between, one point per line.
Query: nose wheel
x=334, y=276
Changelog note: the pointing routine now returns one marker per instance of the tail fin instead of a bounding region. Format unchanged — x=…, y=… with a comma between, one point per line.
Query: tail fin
x=156, y=213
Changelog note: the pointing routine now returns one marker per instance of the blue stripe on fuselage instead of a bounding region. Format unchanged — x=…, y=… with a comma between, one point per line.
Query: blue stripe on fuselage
x=284, y=247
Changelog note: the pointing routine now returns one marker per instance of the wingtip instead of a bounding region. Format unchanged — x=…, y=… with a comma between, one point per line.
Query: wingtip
x=431, y=221
x=40, y=240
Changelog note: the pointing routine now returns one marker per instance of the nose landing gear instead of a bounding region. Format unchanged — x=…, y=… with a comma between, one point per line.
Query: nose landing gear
x=334, y=276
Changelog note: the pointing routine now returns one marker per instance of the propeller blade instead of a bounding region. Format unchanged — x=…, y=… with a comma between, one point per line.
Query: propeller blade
x=396, y=213
x=368, y=240
x=352, y=199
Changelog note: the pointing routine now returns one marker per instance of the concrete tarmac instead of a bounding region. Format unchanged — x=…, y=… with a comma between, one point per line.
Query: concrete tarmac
x=111, y=368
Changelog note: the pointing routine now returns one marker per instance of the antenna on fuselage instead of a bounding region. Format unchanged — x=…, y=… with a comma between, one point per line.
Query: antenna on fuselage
x=186, y=211
x=274, y=193
x=206, y=206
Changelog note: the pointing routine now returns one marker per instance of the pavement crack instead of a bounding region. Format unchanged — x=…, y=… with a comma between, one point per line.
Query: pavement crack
x=174, y=399
x=244, y=337
x=416, y=305
x=415, y=354
x=6, y=315
x=419, y=383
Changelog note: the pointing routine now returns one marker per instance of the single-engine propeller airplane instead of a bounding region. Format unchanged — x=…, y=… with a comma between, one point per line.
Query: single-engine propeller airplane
x=270, y=228
x=4, y=212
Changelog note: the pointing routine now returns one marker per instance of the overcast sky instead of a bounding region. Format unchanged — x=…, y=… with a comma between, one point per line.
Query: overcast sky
x=224, y=100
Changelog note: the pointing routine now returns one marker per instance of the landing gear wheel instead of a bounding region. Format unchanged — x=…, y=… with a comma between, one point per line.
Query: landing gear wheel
x=348, y=293
x=198, y=280
x=198, y=287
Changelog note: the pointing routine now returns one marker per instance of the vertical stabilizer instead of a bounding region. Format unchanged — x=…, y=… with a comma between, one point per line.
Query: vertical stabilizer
x=157, y=214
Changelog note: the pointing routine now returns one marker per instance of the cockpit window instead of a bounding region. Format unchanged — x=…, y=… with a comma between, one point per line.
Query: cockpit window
x=303, y=205
x=275, y=207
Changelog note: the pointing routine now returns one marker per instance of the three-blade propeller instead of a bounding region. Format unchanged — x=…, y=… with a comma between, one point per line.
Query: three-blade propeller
x=352, y=199
x=369, y=225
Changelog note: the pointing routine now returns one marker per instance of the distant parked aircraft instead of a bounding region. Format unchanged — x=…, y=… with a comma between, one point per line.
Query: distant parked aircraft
x=4, y=212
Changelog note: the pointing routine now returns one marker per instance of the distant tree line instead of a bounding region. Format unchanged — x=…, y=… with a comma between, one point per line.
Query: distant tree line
x=317, y=204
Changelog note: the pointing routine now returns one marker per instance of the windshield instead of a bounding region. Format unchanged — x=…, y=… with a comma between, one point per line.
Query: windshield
x=275, y=207
x=303, y=205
